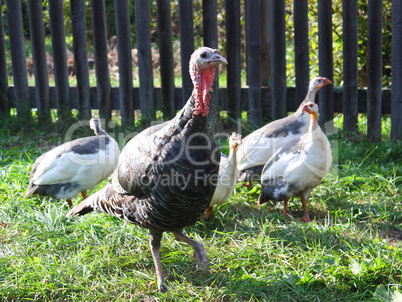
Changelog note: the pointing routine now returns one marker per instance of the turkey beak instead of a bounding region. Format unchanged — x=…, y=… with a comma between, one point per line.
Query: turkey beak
x=326, y=82
x=217, y=58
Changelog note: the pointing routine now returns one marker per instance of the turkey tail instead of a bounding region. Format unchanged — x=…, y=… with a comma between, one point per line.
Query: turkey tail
x=106, y=200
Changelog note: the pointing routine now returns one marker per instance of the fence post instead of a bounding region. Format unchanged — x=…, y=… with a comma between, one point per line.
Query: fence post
x=166, y=57
x=143, y=33
x=126, y=103
x=325, y=55
x=14, y=16
x=98, y=15
x=79, y=31
x=302, y=66
x=350, y=48
x=210, y=30
x=266, y=41
x=233, y=56
x=4, y=104
x=278, y=59
x=374, y=69
x=396, y=109
x=39, y=59
x=60, y=59
x=186, y=47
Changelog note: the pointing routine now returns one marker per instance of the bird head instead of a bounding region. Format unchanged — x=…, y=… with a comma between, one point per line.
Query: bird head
x=94, y=123
x=203, y=63
x=318, y=82
x=234, y=141
x=312, y=109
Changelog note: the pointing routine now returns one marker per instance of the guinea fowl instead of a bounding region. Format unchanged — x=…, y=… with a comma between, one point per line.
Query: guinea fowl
x=298, y=167
x=167, y=174
x=260, y=145
x=75, y=166
x=227, y=175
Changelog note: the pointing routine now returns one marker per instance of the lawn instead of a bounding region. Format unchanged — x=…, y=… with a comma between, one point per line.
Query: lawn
x=351, y=252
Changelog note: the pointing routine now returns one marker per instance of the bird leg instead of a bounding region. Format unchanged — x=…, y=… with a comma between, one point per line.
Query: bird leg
x=199, y=251
x=84, y=194
x=285, y=207
x=155, y=243
x=306, y=216
x=70, y=204
x=207, y=214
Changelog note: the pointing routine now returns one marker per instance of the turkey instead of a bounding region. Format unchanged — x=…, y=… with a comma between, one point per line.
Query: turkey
x=167, y=174
x=75, y=166
x=258, y=146
x=298, y=167
x=227, y=176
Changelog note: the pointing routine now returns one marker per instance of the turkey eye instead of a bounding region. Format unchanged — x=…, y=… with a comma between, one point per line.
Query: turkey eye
x=204, y=55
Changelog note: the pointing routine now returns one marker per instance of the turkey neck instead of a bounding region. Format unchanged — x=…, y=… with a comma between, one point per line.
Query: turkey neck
x=310, y=97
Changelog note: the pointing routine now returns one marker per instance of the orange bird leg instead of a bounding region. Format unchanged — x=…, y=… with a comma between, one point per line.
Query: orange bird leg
x=70, y=204
x=306, y=216
x=285, y=207
x=84, y=194
x=207, y=214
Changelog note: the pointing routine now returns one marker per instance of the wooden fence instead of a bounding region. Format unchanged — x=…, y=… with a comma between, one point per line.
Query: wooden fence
x=266, y=61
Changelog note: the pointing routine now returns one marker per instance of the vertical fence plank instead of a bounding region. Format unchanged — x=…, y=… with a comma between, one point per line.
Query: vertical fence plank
x=125, y=62
x=166, y=57
x=350, y=48
x=4, y=104
x=17, y=49
x=60, y=59
x=233, y=57
x=325, y=54
x=210, y=31
x=374, y=69
x=278, y=59
x=98, y=15
x=186, y=47
x=302, y=67
x=143, y=32
x=396, y=109
x=266, y=37
x=39, y=59
x=79, y=30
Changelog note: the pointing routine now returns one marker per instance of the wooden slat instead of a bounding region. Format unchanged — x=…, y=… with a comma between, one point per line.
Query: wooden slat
x=396, y=112
x=17, y=50
x=266, y=41
x=4, y=104
x=125, y=62
x=186, y=48
x=278, y=59
x=233, y=57
x=143, y=32
x=60, y=59
x=98, y=15
x=39, y=59
x=79, y=31
x=166, y=57
x=350, y=48
x=210, y=31
x=325, y=55
x=302, y=67
x=374, y=69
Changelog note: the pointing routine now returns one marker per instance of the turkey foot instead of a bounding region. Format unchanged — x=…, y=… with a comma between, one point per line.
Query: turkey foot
x=306, y=217
x=199, y=251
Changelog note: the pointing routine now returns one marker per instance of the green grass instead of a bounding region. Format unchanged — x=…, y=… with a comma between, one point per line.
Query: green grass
x=351, y=252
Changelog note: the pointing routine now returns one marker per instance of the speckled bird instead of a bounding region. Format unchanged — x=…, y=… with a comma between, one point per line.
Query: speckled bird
x=74, y=167
x=167, y=174
x=260, y=145
x=298, y=167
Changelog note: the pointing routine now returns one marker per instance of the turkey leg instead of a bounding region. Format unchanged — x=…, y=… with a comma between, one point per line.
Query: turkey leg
x=155, y=243
x=199, y=251
x=306, y=216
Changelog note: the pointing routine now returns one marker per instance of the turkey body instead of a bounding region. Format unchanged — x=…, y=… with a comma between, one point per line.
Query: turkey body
x=75, y=166
x=258, y=147
x=167, y=174
x=298, y=167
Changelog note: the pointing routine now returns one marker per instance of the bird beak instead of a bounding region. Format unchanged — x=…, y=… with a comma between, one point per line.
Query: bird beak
x=326, y=82
x=217, y=58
